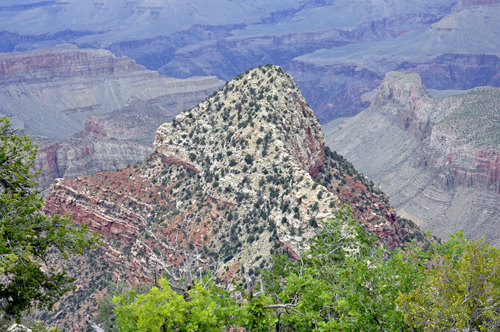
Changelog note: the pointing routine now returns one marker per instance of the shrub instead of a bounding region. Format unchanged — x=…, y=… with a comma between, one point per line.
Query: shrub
x=248, y=159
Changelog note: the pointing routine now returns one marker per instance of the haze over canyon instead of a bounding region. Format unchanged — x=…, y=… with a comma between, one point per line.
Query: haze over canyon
x=259, y=119
x=335, y=50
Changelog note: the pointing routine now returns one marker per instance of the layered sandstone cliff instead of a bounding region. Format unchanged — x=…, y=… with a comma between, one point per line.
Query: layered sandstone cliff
x=88, y=110
x=53, y=90
x=436, y=158
x=75, y=157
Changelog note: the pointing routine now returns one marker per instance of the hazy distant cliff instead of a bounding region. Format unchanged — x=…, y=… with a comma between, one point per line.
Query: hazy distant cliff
x=57, y=92
x=438, y=159
x=53, y=91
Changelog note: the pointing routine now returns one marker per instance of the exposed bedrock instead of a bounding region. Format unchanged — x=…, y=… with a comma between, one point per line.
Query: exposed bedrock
x=53, y=90
x=422, y=153
x=75, y=157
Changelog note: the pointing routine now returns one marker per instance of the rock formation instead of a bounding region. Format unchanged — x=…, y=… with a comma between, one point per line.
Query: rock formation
x=436, y=158
x=75, y=157
x=248, y=166
x=53, y=90
x=58, y=92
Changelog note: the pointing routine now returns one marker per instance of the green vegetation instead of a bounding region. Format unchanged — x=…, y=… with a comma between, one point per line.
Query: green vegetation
x=341, y=283
x=248, y=159
x=32, y=245
x=461, y=291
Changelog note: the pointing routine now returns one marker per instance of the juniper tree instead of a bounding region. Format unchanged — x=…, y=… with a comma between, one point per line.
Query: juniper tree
x=30, y=242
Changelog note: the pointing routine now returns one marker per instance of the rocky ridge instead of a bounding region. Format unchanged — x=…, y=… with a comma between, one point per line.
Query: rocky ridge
x=248, y=166
x=437, y=158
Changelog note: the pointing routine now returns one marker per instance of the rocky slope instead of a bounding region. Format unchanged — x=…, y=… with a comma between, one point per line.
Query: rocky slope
x=52, y=91
x=436, y=158
x=248, y=166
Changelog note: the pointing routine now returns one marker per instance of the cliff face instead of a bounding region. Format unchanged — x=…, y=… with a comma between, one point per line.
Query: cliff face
x=72, y=158
x=53, y=90
x=248, y=166
x=137, y=122
x=59, y=63
x=110, y=105
x=436, y=158
x=107, y=142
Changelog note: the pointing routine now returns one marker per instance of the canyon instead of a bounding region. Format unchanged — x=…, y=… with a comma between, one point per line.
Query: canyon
x=248, y=166
x=88, y=110
x=52, y=91
x=332, y=60
x=404, y=92
x=437, y=158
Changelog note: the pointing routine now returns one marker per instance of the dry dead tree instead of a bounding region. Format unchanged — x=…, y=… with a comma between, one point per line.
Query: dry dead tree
x=93, y=325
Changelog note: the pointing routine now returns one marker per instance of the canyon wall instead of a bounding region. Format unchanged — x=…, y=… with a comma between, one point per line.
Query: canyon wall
x=89, y=110
x=76, y=157
x=53, y=90
x=436, y=158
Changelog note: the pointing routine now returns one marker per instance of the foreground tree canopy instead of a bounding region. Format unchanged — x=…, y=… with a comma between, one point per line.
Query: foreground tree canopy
x=339, y=284
x=461, y=291
x=31, y=244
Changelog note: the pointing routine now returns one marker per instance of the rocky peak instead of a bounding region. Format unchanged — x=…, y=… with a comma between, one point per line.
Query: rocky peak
x=403, y=98
x=253, y=148
x=403, y=89
x=247, y=140
x=259, y=110
x=248, y=166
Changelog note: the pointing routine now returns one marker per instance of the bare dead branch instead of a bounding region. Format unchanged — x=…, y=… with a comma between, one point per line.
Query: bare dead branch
x=93, y=325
